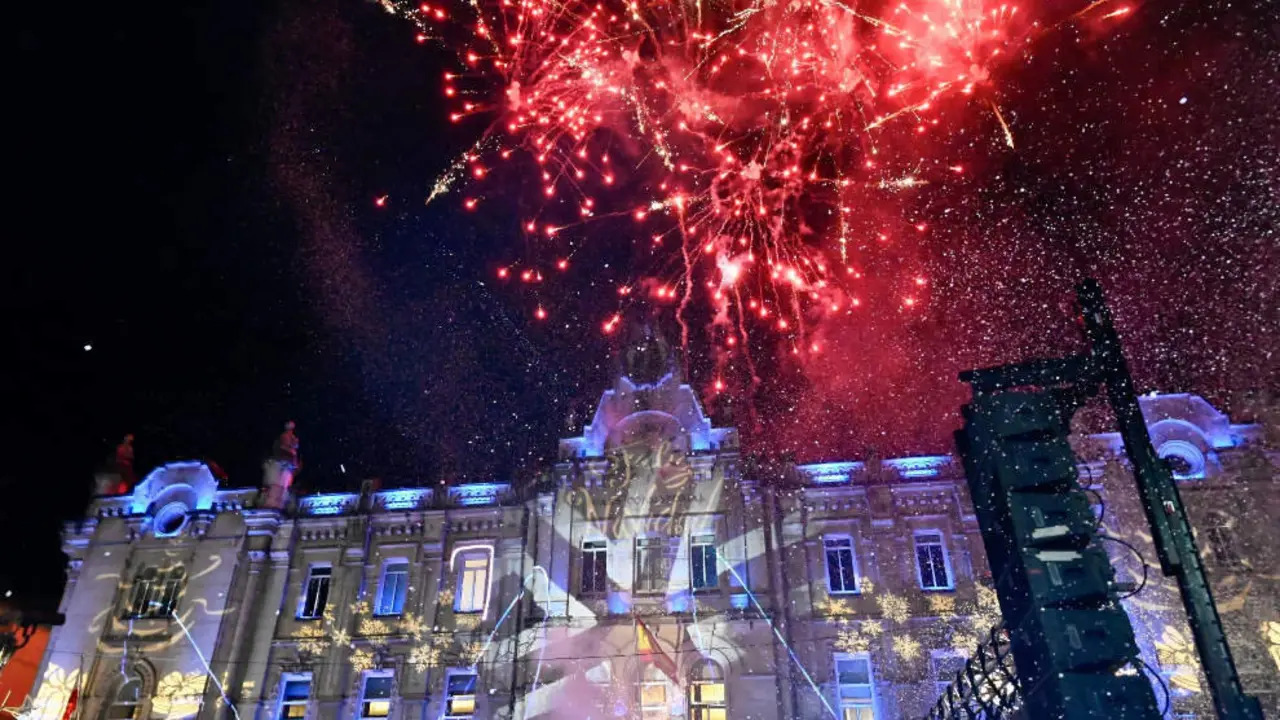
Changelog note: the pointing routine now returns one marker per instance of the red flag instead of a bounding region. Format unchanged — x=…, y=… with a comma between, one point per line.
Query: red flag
x=650, y=651
x=71, y=704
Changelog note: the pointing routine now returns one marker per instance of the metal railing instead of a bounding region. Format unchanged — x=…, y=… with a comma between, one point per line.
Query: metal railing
x=986, y=687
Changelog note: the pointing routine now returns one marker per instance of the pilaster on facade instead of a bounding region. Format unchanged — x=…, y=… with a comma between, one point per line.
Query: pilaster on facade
x=644, y=541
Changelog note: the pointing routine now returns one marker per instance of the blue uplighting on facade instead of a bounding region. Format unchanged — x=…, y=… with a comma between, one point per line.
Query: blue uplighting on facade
x=829, y=472
x=472, y=494
x=404, y=499
x=188, y=482
x=619, y=603
x=328, y=504
x=923, y=466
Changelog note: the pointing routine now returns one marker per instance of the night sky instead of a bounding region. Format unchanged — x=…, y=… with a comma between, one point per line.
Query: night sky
x=193, y=197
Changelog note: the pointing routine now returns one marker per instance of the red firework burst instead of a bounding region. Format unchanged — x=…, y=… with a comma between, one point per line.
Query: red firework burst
x=761, y=128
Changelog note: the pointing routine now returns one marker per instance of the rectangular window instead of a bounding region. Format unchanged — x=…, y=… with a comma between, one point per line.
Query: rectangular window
x=460, y=696
x=932, y=561
x=473, y=582
x=653, y=697
x=842, y=566
x=156, y=592
x=295, y=693
x=375, y=696
x=653, y=564
x=595, y=566
x=856, y=691
x=706, y=700
x=945, y=668
x=315, y=596
x=392, y=588
x=703, y=573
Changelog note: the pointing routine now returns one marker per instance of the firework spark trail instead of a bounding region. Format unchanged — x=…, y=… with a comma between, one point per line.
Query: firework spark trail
x=1008, y=136
x=742, y=120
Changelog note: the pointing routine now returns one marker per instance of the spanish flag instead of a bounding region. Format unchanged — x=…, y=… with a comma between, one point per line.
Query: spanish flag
x=649, y=651
x=72, y=702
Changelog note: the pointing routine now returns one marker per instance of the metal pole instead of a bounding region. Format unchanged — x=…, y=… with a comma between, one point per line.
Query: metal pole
x=1174, y=541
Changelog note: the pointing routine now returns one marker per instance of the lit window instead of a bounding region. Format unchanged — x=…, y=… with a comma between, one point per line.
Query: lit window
x=706, y=693
x=653, y=564
x=316, y=593
x=124, y=706
x=932, y=562
x=703, y=571
x=595, y=566
x=653, y=695
x=473, y=582
x=375, y=697
x=856, y=693
x=460, y=696
x=392, y=588
x=842, y=566
x=945, y=668
x=294, y=695
x=156, y=592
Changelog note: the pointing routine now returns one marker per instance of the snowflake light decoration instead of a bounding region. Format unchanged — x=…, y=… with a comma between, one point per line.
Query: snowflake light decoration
x=963, y=643
x=942, y=605
x=832, y=607
x=362, y=660
x=894, y=607
x=312, y=639
x=426, y=655
x=851, y=640
x=1175, y=651
x=179, y=695
x=1271, y=629
x=413, y=626
x=473, y=652
x=906, y=647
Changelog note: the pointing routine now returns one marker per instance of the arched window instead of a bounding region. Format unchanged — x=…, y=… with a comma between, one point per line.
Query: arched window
x=127, y=701
x=706, y=692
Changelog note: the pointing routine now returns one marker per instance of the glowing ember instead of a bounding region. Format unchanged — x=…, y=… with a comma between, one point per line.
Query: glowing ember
x=752, y=136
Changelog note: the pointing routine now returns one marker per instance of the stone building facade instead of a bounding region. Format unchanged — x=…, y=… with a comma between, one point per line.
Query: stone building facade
x=654, y=572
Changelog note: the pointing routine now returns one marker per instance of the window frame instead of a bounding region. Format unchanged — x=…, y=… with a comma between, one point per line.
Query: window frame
x=698, y=541
x=365, y=677
x=475, y=695
x=459, y=564
x=941, y=544
x=826, y=562
x=940, y=686
x=658, y=581
x=318, y=612
x=599, y=555
x=397, y=608
x=155, y=593
x=137, y=705
x=702, y=709
x=651, y=676
x=856, y=704
x=285, y=680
